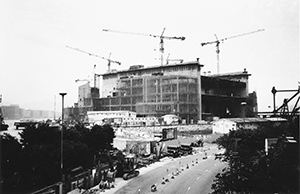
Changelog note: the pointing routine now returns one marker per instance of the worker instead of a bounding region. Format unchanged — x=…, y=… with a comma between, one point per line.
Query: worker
x=111, y=177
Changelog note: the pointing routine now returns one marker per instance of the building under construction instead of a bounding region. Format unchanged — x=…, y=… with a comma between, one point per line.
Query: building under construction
x=177, y=89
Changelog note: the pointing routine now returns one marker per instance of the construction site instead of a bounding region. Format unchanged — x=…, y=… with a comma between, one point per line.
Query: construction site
x=142, y=101
x=177, y=89
x=165, y=110
x=174, y=87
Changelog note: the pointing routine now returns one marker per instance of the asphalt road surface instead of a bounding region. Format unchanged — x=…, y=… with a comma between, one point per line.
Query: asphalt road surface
x=187, y=174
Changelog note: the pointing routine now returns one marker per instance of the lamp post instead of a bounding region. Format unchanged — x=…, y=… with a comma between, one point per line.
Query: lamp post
x=244, y=111
x=61, y=140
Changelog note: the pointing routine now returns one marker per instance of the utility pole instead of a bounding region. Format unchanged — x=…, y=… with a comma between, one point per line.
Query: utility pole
x=61, y=141
x=54, y=106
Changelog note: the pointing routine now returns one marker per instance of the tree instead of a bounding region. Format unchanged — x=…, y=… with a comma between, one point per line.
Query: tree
x=41, y=134
x=250, y=170
x=41, y=155
x=35, y=161
x=10, y=160
x=100, y=138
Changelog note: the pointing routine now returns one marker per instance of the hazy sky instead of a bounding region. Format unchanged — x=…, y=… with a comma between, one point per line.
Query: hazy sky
x=35, y=64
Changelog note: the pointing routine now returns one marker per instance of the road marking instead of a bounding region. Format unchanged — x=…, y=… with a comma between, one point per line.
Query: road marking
x=189, y=188
x=206, y=170
x=198, y=177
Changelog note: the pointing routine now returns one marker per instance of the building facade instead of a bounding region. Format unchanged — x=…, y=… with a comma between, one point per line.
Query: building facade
x=177, y=89
x=86, y=94
x=155, y=91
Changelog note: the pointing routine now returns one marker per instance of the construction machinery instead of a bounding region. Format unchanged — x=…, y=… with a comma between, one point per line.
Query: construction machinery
x=94, y=55
x=218, y=41
x=80, y=80
x=129, y=167
x=186, y=149
x=161, y=37
x=173, y=60
x=126, y=164
x=283, y=110
x=174, y=150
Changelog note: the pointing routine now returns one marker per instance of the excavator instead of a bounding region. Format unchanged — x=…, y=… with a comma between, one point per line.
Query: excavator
x=126, y=165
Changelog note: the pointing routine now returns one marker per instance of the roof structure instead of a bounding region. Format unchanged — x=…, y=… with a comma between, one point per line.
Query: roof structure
x=246, y=120
x=156, y=67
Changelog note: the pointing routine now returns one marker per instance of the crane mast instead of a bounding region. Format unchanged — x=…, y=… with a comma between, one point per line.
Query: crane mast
x=161, y=37
x=217, y=42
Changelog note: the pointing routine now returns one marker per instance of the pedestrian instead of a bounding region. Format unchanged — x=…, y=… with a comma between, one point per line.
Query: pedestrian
x=101, y=186
x=105, y=184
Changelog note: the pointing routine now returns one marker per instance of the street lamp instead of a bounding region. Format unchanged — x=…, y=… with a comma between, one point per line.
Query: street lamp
x=61, y=140
x=243, y=104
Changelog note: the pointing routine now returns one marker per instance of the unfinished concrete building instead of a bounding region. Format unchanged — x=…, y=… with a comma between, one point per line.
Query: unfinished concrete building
x=177, y=89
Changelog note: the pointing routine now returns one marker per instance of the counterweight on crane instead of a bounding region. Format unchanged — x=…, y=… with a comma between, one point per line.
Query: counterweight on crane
x=94, y=55
x=161, y=43
x=217, y=42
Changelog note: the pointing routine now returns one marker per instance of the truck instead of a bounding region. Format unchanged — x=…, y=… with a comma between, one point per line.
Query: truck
x=186, y=148
x=173, y=150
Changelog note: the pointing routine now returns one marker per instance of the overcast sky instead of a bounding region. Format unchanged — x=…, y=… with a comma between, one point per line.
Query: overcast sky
x=35, y=64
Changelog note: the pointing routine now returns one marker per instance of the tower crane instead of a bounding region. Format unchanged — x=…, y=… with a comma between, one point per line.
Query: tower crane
x=161, y=37
x=94, y=55
x=81, y=80
x=218, y=41
x=176, y=60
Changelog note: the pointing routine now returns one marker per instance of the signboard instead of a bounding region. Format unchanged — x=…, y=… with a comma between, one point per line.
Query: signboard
x=169, y=133
x=138, y=147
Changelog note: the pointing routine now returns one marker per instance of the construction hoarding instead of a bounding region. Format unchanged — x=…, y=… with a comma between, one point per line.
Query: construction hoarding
x=138, y=147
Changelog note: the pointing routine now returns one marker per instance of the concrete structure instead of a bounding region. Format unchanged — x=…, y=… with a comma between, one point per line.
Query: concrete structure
x=177, y=89
x=100, y=116
x=86, y=94
x=124, y=118
x=154, y=91
x=88, y=100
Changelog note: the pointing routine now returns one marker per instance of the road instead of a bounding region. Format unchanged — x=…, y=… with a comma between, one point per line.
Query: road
x=197, y=178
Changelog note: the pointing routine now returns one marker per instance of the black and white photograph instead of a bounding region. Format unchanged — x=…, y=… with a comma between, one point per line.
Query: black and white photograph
x=140, y=97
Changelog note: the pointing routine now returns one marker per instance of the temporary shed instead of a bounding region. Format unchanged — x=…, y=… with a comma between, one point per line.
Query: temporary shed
x=225, y=125
x=170, y=119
